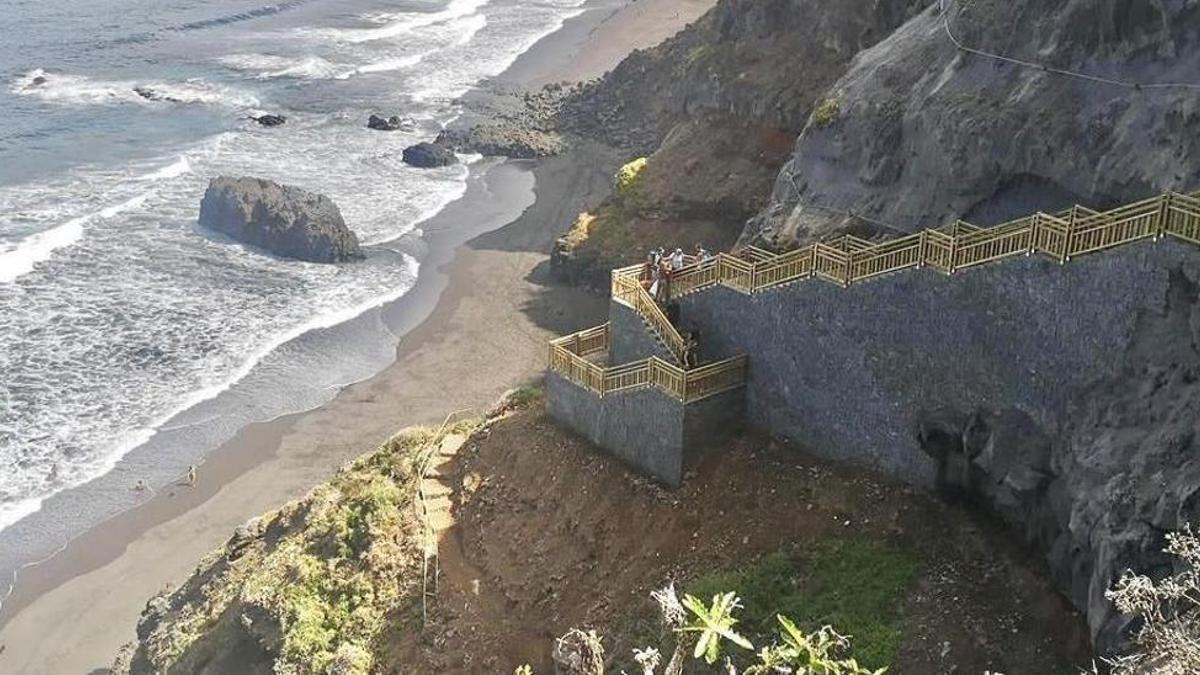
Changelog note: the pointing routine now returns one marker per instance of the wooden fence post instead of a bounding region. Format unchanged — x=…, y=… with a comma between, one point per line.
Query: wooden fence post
x=1068, y=240
x=1164, y=214
x=953, y=251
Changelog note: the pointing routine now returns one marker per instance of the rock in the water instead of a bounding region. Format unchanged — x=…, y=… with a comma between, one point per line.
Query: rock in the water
x=428, y=155
x=38, y=81
x=270, y=120
x=285, y=220
x=393, y=123
x=153, y=95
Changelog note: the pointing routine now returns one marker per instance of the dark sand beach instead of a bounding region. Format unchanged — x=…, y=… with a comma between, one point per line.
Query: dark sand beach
x=473, y=327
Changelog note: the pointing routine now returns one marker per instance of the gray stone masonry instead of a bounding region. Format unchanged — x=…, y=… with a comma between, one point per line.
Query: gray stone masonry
x=646, y=429
x=846, y=371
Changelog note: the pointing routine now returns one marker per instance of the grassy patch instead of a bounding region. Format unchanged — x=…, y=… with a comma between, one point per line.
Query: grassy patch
x=629, y=177
x=826, y=112
x=854, y=585
x=524, y=396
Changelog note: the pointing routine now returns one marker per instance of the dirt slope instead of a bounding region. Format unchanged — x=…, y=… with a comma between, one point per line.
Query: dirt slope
x=550, y=535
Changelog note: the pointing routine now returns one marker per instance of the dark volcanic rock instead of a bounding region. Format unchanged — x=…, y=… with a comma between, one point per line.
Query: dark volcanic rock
x=429, y=155
x=918, y=132
x=270, y=120
x=38, y=81
x=515, y=141
x=153, y=95
x=393, y=123
x=285, y=220
x=1098, y=496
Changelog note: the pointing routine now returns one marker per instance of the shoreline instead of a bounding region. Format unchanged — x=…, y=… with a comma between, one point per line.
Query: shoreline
x=472, y=327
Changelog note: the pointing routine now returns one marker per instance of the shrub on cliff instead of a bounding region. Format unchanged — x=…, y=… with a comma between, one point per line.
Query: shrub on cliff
x=826, y=112
x=629, y=177
x=1168, y=640
x=309, y=588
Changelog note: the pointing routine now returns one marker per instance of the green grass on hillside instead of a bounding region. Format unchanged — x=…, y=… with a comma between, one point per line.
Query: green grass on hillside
x=855, y=585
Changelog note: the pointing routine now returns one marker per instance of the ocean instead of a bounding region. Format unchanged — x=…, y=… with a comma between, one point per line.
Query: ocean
x=117, y=312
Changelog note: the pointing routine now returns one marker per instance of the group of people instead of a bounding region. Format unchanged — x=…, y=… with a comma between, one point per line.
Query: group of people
x=661, y=266
x=656, y=276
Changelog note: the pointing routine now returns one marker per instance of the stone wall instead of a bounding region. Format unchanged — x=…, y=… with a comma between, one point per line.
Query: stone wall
x=646, y=429
x=631, y=339
x=848, y=372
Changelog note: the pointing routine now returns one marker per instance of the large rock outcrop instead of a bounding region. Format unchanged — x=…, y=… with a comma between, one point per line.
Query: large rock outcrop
x=1097, y=495
x=716, y=108
x=282, y=219
x=919, y=132
x=429, y=156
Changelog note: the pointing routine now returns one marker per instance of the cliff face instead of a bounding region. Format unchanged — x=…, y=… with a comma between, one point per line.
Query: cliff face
x=716, y=109
x=919, y=132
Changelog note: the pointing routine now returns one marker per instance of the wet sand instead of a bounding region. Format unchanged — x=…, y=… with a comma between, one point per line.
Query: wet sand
x=474, y=326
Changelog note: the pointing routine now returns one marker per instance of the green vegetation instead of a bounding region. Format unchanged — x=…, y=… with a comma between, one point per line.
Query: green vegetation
x=699, y=53
x=331, y=588
x=708, y=630
x=855, y=585
x=524, y=396
x=826, y=112
x=321, y=579
x=628, y=178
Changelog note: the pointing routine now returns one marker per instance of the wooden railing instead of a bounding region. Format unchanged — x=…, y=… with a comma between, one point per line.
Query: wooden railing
x=569, y=357
x=627, y=288
x=947, y=249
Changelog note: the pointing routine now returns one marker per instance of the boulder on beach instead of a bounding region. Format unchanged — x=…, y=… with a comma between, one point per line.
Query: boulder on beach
x=269, y=120
x=285, y=220
x=429, y=155
x=393, y=123
x=513, y=140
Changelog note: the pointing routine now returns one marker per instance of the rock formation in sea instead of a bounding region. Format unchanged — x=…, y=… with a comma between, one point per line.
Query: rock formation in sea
x=285, y=220
x=151, y=94
x=429, y=155
x=393, y=123
x=270, y=120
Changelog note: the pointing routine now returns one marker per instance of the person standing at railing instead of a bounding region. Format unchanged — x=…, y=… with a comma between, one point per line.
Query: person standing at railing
x=691, y=350
x=677, y=260
x=656, y=280
x=664, y=286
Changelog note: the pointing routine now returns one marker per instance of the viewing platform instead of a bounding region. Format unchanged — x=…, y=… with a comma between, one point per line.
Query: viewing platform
x=849, y=370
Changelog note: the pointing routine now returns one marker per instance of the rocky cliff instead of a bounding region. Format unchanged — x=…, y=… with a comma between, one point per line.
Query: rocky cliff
x=716, y=109
x=911, y=114
x=1097, y=494
x=920, y=131
x=285, y=220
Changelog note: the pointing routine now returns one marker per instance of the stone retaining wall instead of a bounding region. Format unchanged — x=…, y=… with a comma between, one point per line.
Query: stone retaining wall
x=847, y=372
x=646, y=428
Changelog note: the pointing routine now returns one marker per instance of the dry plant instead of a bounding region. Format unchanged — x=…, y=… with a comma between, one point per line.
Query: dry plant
x=1168, y=639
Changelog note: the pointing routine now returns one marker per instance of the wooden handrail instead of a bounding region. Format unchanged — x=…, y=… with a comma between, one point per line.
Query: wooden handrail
x=685, y=385
x=957, y=246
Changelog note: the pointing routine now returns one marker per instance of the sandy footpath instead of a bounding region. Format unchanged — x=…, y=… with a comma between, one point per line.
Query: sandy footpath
x=475, y=326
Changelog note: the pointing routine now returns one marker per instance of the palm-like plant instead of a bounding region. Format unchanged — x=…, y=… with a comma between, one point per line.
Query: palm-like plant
x=714, y=623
